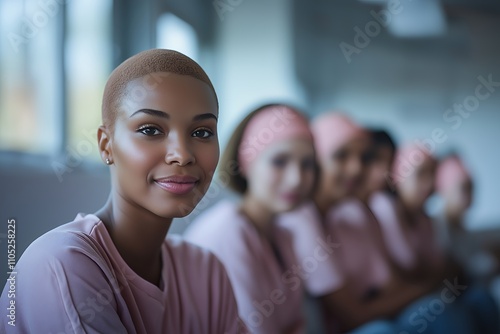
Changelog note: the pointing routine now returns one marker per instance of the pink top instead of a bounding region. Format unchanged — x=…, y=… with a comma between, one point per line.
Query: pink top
x=361, y=255
x=424, y=241
x=407, y=244
x=305, y=228
x=269, y=294
x=387, y=210
x=73, y=280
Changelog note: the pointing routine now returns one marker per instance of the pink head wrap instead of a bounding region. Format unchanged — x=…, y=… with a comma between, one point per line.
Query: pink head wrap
x=450, y=171
x=409, y=157
x=268, y=126
x=332, y=130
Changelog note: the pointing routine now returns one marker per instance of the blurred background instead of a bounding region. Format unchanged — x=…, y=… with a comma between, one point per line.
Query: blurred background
x=423, y=69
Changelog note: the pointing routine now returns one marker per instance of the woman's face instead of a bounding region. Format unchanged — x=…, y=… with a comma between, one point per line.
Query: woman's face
x=418, y=186
x=164, y=146
x=379, y=167
x=458, y=198
x=343, y=171
x=283, y=175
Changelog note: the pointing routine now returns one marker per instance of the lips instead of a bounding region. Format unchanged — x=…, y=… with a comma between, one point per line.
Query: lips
x=177, y=184
x=291, y=197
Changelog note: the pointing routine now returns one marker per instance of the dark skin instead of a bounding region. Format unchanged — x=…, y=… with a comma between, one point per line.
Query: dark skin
x=163, y=151
x=341, y=174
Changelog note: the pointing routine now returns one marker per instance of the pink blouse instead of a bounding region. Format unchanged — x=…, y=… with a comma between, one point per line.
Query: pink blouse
x=406, y=244
x=73, y=280
x=266, y=283
x=362, y=257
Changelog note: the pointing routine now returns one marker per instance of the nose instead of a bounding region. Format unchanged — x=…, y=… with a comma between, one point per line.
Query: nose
x=293, y=175
x=355, y=166
x=179, y=150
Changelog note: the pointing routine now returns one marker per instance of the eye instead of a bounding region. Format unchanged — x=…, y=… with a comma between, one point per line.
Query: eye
x=340, y=155
x=279, y=162
x=203, y=133
x=150, y=131
x=367, y=157
x=308, y=164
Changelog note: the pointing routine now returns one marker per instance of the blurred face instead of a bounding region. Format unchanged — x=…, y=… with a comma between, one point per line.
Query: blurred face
x=164, y=147
x=380, y=165
x=418, y=186
x=458, y=197
x=343, y=171
x=283, y=175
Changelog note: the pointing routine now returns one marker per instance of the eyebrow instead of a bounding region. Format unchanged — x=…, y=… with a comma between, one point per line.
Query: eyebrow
x=162, y=114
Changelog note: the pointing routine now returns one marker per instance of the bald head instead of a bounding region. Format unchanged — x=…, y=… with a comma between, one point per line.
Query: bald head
x=145, y=65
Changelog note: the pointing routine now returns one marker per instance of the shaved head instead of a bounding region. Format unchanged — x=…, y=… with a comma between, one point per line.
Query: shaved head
x=147, y=65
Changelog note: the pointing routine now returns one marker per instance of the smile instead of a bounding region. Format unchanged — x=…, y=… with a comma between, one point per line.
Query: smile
x=178, y=185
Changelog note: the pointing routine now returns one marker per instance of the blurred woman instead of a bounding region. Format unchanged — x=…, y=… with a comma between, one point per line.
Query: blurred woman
x=412, y=241
x=270, y=161
x=369, y=288
x=379, y=193
x=409, y=233
x=454, y=184
x=381, y=158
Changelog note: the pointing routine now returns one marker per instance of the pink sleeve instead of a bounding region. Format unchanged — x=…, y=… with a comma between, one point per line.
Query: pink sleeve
x=361, y=256
x=60, y=289
x=385, y=211
x=309, y=240
x=220, y=303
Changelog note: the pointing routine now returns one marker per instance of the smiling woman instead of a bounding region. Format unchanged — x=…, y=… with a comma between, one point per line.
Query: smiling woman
x=162, y=150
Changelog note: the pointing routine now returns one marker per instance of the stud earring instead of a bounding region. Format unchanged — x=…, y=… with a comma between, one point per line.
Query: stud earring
x=108, y=162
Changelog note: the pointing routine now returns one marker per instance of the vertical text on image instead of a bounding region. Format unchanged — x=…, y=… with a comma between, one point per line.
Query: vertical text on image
x=11, y=265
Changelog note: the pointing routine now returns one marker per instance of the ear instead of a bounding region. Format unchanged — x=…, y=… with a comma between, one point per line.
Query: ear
x=104, y=143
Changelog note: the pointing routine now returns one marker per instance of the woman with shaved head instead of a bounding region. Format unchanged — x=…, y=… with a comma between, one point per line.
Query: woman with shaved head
x=115, y=271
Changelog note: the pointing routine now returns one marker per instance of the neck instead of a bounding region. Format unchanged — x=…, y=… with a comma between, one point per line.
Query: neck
x=259, y=215
x=411, y=207
x=323, y=202
x=137, y=234
x=454, y=220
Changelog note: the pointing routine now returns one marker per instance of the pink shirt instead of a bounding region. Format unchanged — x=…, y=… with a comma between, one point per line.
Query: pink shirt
x=407, y=244
x=424, y=242
x=269, y=293
x=311, y=245
x=73, y=280
x=387, y=210
x=361, y=256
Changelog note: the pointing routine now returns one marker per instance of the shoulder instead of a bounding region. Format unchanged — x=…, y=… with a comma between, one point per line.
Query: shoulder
x=382, y=199
x=303, y=215
x=65, y=250
x=227, y=234
x=223, y=221
x=350, y=211
x=191, y=259
x=75, y=236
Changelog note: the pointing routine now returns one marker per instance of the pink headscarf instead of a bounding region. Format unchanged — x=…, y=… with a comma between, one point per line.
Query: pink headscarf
x=332, y=130
x=268, y=126
x=450, y=171
x=408, y=158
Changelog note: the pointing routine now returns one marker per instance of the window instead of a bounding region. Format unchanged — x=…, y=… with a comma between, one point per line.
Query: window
x=30, y=94
x=88, y=64
x=54, y=64
x=174, y=33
